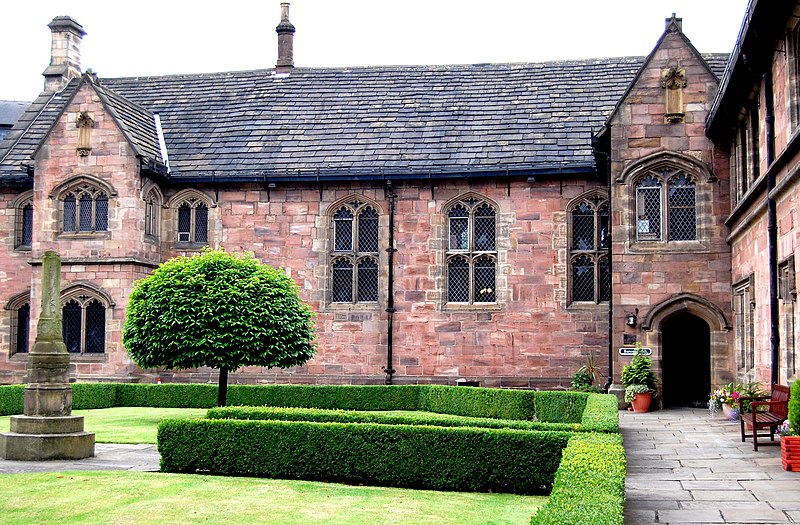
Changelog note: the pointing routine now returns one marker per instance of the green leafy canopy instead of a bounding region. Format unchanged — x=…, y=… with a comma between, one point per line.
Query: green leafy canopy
x=219, y=310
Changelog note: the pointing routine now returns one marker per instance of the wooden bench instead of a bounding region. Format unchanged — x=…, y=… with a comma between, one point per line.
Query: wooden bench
x=777, y=410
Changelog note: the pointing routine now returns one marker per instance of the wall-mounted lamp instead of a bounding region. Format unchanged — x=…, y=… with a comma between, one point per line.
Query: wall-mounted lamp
x=631, y=318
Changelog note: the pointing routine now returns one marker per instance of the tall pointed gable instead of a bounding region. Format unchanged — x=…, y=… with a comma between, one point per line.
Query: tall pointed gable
x=137, y=125
x=673, y=38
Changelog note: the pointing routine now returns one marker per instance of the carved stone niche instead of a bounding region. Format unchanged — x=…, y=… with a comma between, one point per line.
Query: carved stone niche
x=673, y=80
x=84, y=121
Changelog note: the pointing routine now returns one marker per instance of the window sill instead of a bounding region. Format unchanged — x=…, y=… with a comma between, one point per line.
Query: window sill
x=359, y=307
x=190, y=246
x=85, y=235
x=24, y=248
x=474, y=307
x=586, y=305
x=666, y=246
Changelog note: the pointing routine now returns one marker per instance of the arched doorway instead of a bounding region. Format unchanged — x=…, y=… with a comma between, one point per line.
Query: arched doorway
x=685, y=360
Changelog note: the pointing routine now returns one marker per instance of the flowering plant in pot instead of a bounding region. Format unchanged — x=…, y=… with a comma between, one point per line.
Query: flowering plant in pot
x=640, y=381
x=725, y=399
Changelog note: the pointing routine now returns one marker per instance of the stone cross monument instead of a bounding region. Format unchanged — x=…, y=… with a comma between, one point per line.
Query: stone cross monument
x=47, y=430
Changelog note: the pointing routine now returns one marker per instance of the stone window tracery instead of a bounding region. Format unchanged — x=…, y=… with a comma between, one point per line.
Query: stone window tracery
x=192, y=221
x=471, y=255
x=666, y=206
x=20, y=308
x=84, y=210
x=83, y=323
x=590, y=270
x=354, y=258
x=23, y=228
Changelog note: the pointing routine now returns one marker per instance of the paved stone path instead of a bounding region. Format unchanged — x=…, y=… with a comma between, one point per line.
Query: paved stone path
x=107, y=457
x=686, y=467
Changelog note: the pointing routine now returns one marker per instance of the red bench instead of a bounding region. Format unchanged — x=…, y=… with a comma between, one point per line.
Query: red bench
x=777, y=404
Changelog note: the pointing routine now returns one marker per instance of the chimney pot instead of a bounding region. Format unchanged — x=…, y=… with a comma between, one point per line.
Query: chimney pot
x=285, y=32
x=65, y=54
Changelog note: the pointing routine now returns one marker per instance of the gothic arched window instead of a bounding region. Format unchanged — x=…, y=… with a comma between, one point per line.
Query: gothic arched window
x=354, y=258
x=590, y=277
x=471, y=254
x=671, y=216
x=85, y=210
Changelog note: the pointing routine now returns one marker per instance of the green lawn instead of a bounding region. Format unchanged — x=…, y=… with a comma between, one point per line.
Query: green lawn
x=125, y=424
x=141, y=498
x=121, y=497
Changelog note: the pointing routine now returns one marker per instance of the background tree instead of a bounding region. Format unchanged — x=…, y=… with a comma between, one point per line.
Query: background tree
x=219, y=310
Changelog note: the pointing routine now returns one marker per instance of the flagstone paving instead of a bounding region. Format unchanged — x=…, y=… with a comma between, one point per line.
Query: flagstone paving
x=685, y=466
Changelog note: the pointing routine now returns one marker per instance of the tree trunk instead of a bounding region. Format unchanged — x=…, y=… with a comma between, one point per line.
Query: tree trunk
x=222, y=389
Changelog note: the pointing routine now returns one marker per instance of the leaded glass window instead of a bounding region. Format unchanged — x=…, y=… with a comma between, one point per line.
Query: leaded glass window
x=85, y=210
x=590, y=272
x=682, y=209
x=84, y=325
x=24, y=227
x=471, y=251
x=152, y=206
x=193, y=221
x=20, y=339
x=666, y=206
x=355, y=243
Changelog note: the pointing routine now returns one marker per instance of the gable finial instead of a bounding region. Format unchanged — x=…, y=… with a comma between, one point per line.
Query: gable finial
x=674, y=24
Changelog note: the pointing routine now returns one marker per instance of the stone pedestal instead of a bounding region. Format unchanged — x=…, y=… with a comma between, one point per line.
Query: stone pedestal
x=47, y=430
x=34, y=438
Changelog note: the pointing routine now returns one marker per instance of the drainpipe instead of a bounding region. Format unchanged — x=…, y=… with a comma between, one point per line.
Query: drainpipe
x=772, y=229
x=389, y=370
x=610, y=379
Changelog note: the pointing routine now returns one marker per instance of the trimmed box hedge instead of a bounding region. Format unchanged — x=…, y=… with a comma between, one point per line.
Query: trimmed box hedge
x=356, y=416
x=589, y=488
x=525, y=405
x=464, y=459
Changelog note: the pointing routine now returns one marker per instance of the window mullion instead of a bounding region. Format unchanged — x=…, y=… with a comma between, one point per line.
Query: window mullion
x=354, y=280
x=83, y=329
x=192, y=224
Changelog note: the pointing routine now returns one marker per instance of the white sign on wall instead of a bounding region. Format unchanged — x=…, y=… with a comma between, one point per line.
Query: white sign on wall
x=630, y=350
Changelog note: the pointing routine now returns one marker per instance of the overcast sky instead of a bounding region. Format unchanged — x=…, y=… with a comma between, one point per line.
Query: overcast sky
x=148, y=37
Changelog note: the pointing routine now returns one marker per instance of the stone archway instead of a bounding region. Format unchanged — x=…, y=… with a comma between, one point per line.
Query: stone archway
x=690, y=338
x=685, y=360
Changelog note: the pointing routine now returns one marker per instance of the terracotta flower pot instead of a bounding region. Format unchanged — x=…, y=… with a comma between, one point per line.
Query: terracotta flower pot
x=641, y=403
x=727, y=409
x=790, y=453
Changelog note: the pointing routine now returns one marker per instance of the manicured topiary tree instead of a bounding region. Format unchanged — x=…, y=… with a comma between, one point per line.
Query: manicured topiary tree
x=219, y=310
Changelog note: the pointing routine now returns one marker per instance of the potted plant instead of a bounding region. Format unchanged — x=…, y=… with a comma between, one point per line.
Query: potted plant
x=725, y=399
x=640, y=381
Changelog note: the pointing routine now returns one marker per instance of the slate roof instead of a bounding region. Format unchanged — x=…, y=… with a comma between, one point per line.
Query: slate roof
x=10, y=111
x=349, y=123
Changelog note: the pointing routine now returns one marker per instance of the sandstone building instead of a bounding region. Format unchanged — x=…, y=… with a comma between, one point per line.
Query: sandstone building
x=497, y=223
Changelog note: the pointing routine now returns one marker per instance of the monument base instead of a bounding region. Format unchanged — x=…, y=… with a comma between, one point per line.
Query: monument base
x=35, y=438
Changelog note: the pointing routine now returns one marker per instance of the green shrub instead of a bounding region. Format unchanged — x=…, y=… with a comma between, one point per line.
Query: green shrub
x=344, y=397
x=11, y=399
x=560, y=407
x=464, y=459
x=172, y=395
x=601, y=414
x=589, y=488
x=794, y=406
x=93, y=395
x=478, y=402
x=354, y=416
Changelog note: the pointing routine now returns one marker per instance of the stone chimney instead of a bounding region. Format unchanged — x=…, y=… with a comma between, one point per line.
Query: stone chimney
x=65, y=55
x=285, y=32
